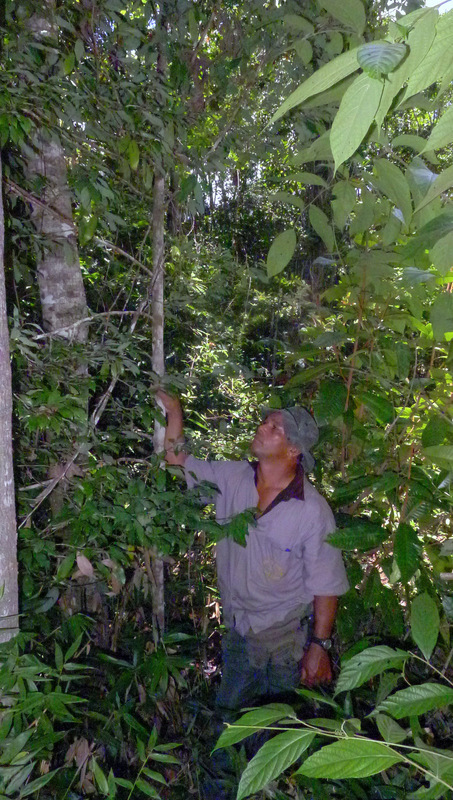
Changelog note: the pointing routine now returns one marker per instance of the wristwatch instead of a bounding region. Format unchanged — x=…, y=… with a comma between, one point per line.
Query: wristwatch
x=326, y=644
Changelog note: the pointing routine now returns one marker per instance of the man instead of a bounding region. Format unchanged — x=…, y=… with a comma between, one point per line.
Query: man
x=285, y=572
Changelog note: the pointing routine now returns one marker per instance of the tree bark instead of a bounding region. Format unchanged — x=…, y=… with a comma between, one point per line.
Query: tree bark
x=9, y=603
x=60, y=281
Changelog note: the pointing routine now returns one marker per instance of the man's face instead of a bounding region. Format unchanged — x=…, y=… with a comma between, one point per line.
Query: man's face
x=270, y=439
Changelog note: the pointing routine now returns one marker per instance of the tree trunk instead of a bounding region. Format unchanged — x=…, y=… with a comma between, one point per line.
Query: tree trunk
x=61, y=288
x=157, y=565
x=9, y=604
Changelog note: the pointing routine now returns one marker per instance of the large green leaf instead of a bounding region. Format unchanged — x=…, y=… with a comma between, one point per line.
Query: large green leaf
x=435, y=431
x=272, y=759
x=443, y=182
x=441, y=315
x=390, y=730
x=287, y=198
x=325, y=77
x=252, y=721
x=379, y=406
x=442, y=254
x=419, y=41
x=331, y=400
x=417, y=700
x=281, y=252
x=380, y=58
x=322, y=226
x=351, y=758
x=354, y=117
x=307, y=178
x=425, y=623
x=319, y=150
x=438, y=61
x=360, y=535
x=392, y=183
x=442, y=133
x=407, y=551
x=345, y=195
x=365, y=665
x=427, y=236
x=350, y=12
x=441, y=455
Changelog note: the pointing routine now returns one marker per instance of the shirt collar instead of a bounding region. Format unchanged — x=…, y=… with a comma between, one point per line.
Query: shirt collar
x=294, y=490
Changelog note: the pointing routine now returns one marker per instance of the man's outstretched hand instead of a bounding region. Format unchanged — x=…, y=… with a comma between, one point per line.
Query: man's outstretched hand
x=316, y=666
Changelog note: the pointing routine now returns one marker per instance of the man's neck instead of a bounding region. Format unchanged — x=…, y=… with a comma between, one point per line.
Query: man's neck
x=275, y=473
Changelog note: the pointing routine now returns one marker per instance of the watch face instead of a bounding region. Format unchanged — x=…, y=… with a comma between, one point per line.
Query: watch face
x=326, y=644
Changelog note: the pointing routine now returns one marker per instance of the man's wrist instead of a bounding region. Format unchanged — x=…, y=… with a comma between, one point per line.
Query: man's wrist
x=324, y=642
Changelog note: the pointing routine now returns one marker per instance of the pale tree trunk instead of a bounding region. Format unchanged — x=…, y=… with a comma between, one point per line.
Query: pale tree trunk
x=159, y=199
x=9, y=603
x=60, y=281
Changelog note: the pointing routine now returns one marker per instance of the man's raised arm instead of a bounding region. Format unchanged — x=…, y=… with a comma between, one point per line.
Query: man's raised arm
x=174, y=434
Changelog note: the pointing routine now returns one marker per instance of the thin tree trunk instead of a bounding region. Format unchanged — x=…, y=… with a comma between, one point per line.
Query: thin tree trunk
x=9, y=603
x=157, y=565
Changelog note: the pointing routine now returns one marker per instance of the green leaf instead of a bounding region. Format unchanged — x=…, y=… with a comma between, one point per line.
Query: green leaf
x=441, y=454
x=294, y=22
x=352, y=758
x=79, y=49
x=281, y=252
x=365, y=665
x=435, y=431
x=252, y=721
x=441, y=315
x=442, y=133
x=34, y=787
x=320, y=223
x=381, y=408
x=407, y=551
x=304, y=50
x=146, y=788
x=272, y=759
x=289, y=199
x=331, y=400
x=322, y=79
x=437, y=63
x=392, y=183
x=133, y=154
x=69, y=63
x=442, y=254
x=65, y=567
x=390, y=730
x=307, y=178
x=13, y=747
x=319, y=150
x=443, y=182
x=350, y=12
x=427, y=236
x=99, y=777
x=354, y=117
x=417, y=700
x=360, y=535
x=425, y=623
x=379, y=58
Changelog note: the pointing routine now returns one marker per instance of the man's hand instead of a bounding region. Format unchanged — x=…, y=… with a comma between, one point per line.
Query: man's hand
x=316, y=666
x=169, y=402
x=174, y=429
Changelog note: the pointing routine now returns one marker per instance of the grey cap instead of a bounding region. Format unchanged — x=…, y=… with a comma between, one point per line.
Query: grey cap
x=302, y=431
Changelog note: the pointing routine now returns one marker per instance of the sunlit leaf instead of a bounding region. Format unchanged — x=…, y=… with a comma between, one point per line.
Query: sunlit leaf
x=365, y=665
x=350, y=12
x=407, y=551
x=354, y=117
x=281, y=252
x=417, y=700
x=320, y=223
x=352, y=758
